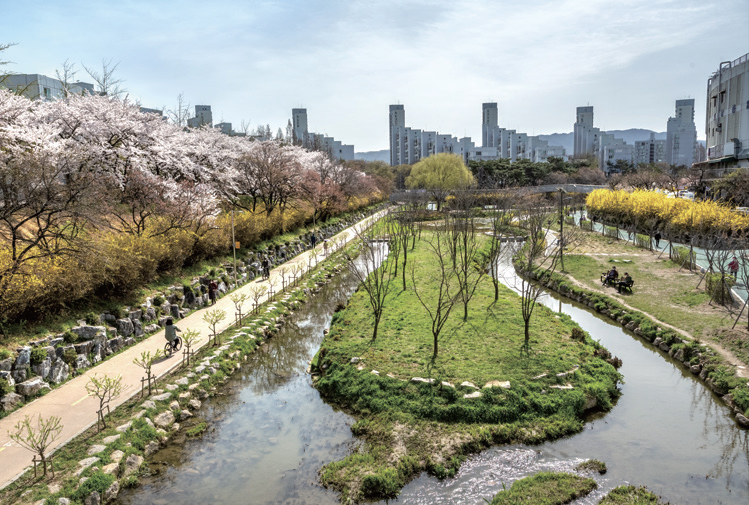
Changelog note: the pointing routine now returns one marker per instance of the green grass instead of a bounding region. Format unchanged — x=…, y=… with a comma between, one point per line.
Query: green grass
x=545, y=488
x=659, y=290
x=409, y=426
x=630, y=495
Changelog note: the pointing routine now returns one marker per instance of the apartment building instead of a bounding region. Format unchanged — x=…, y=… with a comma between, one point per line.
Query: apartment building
x=301, y=136
x=727, y=116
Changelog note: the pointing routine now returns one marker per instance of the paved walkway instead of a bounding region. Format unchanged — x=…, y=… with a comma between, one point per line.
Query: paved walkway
x=77, y=409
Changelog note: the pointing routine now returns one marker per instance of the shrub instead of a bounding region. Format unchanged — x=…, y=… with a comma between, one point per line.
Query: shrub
x=98, y=481
x=384, y=483
x=186, y=288
x=92, y=319
x=5, y=354
x=719, y=286
x=157, y=300
x=197, y=430
x=69, y=356
x=38, y=355
x=578, y=334
x=69, y=337
x=5, y=387
x=680, y=256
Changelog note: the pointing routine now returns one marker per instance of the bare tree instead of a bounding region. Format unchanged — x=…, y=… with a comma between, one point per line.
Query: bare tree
x=440, y=276
x=146, y=361
x=66, y=76
x=37, y=439
x=465, y=248
x=106, y=79
x=536, y=260
x=500, y=217
x=105, y=389
x=373, y=268
x=181, y=113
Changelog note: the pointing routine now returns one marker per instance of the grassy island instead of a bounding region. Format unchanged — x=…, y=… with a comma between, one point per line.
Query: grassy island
x=416, y=412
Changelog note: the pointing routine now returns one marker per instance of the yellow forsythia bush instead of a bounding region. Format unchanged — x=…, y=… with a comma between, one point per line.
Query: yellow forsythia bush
x=648, y=209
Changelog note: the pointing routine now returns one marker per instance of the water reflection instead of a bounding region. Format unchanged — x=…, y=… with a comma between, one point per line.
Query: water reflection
x=272, y=432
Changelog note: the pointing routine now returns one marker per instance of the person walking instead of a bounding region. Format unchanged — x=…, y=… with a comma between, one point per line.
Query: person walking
x=325, y=246
x=212, y=289
x=657, y=238
x=733, y=266
x=313, y=239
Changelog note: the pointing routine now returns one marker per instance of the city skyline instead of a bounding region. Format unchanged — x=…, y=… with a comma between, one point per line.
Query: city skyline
x=346, y=62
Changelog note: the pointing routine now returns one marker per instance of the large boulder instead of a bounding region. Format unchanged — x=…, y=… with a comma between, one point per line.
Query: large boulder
x=115, y=344
x=58, y=372
x=81, y=361
x=150, y=314
x=6, y=376
x=174, y=310
x=189, y=299
x=124, y=327
x=42, y=369
x=31, y=387
x=20, y=374
x=137, y=327
x=10, y=401
x=23, y=358
x=132, y=464
x=84, y=348
x=6, y=365
x=88, y=332
x=135, y=314
x=164, y=420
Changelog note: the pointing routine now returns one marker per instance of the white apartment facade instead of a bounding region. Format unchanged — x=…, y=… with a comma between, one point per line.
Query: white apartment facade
x=41, y=87
x=681, y=135
x=727, y=117
x=301, y=136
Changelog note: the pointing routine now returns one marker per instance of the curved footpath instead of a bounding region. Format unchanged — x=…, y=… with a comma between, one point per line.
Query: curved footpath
x=72, y=403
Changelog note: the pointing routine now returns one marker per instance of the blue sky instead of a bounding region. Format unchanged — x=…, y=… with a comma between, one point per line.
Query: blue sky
x=347, y=60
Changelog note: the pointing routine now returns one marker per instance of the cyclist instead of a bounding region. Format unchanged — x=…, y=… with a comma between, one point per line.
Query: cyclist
x=171, y=333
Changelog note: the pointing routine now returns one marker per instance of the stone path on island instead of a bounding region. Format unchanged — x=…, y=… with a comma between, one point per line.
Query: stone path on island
x=77, y=409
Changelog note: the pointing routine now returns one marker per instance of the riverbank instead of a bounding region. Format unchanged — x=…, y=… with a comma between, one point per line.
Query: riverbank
x=416, y=413
x=666, y=308
x=102, y=463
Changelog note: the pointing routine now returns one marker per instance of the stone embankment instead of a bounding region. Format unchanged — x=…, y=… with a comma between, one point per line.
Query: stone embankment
x=698, y=358
x=50, y=361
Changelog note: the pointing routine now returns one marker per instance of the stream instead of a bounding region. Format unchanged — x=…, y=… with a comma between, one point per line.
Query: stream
x=270, y=432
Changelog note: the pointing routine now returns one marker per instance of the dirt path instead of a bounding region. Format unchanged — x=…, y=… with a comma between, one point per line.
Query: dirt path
x=598, y=247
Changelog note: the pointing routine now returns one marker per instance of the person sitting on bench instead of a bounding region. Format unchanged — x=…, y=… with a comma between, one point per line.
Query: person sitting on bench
x=611, y=276
x=626, y=283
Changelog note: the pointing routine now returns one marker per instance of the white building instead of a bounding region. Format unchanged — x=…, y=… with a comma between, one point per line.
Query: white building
x=681, y=135
x=727, y=118
x=301, y=136
x=585, y=134
x=648, y=152
x=37, y=86
x=203, y=117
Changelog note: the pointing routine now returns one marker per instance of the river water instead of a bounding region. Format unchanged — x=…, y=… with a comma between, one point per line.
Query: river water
x=271, y=432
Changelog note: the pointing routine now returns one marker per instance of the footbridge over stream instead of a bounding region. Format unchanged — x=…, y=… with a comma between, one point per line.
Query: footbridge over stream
x=417, y=194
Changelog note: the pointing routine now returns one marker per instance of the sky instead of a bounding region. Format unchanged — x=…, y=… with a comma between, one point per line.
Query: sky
x=346, y=61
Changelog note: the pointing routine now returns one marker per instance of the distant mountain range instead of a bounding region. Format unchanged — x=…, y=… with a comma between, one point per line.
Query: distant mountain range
x=383, y=155
x=565, y=140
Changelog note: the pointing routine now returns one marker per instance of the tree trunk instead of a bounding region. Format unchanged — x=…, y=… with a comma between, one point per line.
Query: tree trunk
x=377, y=323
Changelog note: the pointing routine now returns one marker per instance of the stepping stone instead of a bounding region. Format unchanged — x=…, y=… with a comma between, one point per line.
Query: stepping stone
x=151, y=448
x=132, y=464
x=162, y=397
x=421, y=379
x=111, y=439
x=172, y=387
x=195, y=404
x=182, y=382
x=540, y=376
x=189, y=375
x=174, y=405
x=164, y=420
x=200, y=369
x=95, y=449
x=116, y=456
x=191, y=387
x=185, y=414
x=184, y=396
x=475, y=394
x=467, y=384
x=148, y=404
x=375, y=372
x=497, y=384
x=566, y=386
x=124, y=427
x=139, y=414
x=447, y=384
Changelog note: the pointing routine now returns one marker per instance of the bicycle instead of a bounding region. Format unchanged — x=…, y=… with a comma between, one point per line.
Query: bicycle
x=173, y=346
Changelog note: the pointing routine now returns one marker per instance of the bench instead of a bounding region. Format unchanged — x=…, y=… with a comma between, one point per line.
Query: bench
x=627, y=286
x=605, y=280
